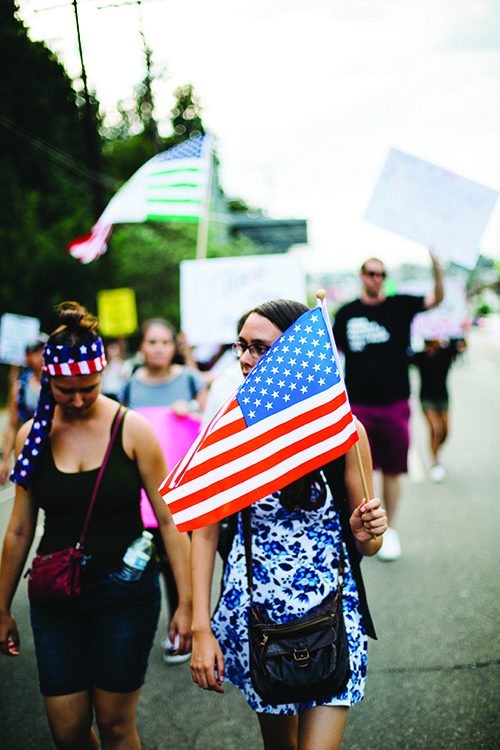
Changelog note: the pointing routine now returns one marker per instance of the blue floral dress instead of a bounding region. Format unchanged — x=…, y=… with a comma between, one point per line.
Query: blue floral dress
x=295, y=558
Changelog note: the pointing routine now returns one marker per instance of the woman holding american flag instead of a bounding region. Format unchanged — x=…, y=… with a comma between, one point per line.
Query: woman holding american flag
x=296, y=533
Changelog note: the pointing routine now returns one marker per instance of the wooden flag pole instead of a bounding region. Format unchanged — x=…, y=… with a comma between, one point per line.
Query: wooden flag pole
x=321, y=296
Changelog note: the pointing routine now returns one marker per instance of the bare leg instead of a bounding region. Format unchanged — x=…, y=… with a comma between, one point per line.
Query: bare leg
x=391, y=488
x=70, y=721
x=322, y=727
x=438, y=425
x=115, y=717
x=444, y=426
x=279, y=732
x=318, y=728
x=435, y=428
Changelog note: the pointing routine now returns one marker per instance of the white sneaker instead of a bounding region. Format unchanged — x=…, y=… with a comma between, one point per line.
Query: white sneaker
x=437, y=473
x=391, y=546
x=169, y=655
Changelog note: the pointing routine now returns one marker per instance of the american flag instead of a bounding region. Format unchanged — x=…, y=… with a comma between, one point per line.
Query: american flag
x=290, y=416
x=172, y=186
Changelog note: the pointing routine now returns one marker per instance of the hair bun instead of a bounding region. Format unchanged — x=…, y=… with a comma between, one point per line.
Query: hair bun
x=73, y=315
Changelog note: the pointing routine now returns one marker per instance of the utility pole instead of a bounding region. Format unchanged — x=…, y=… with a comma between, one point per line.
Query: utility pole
x=93, y=150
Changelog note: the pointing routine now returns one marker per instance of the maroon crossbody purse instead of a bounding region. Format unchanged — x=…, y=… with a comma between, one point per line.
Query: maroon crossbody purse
x=56, y=577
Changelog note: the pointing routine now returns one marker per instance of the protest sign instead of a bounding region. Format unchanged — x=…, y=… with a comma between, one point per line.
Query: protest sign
x=215, y=293
x=442, y=322
x=117, y=312
x=16, y=332
x=441, y=210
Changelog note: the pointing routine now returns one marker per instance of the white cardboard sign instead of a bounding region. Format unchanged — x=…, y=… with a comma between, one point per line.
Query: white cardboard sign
x=16, y=332
x=216, y=292
x=427, y=204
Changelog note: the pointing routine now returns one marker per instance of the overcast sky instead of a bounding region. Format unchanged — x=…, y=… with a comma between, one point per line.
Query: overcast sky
x=306, y=97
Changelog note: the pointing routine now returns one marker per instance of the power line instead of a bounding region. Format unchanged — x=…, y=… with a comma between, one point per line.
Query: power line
x=57, y=156
x=98, y=7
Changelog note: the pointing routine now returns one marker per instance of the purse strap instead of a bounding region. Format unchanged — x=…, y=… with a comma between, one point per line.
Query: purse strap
x=116, y=424
x=246, y=519
x=334, y=473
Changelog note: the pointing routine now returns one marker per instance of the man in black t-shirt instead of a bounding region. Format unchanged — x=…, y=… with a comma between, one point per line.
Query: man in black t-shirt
x=373, y=333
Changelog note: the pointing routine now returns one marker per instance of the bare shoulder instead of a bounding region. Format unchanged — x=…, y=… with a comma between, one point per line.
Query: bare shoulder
x=135, y=425
x=23, y=434
x=138, y=435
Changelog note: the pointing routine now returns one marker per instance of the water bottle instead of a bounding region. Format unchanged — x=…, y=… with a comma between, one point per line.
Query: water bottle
x=136, y=558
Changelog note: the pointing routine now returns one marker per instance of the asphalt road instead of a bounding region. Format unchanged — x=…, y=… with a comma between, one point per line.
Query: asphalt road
x=434, y=673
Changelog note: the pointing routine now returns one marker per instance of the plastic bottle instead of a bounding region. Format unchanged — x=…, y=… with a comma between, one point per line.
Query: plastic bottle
x=136, y=558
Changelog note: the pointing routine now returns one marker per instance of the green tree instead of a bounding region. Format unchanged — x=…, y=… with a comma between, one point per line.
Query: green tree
x=134, y=139
x=149, y=257
x=46, y=195
x=186, y=115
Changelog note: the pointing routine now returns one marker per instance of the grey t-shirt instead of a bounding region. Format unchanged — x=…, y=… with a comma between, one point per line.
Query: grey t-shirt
x=137, y=394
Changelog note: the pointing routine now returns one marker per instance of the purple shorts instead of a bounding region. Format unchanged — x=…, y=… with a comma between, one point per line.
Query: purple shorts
x=387, y=427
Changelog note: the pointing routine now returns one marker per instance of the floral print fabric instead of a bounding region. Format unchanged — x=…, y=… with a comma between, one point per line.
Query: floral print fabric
x=295, y=558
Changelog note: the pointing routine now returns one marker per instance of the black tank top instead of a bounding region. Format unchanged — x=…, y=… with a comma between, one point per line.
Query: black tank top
x=65, y=497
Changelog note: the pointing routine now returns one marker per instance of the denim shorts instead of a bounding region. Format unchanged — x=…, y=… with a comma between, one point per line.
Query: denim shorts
x=102, y=639
x=387, y=427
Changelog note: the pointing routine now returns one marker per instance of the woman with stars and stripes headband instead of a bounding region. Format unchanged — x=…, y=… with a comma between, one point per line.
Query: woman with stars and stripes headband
x=92, y=650
x=83, y=357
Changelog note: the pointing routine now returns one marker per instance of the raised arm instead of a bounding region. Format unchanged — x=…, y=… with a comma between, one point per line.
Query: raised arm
x=140, y=440
x=17, y=543
x=434, y=298
x=207, y=662
x=368, y=518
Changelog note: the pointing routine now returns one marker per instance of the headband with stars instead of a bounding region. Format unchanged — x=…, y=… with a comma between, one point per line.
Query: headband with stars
x=83, y=359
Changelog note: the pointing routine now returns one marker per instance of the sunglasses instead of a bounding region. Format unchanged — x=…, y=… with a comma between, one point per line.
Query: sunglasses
x=373, y=274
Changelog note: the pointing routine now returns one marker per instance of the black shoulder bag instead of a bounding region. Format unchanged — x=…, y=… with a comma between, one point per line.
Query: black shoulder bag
x=302, y=659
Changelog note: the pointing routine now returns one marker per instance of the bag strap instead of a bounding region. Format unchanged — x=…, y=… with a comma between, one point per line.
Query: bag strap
x=116, y=423
x=334, y=473
x=246, y=518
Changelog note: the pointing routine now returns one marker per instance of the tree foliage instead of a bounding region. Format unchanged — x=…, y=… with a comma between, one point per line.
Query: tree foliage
x=149, y=262
x=134, y=139
x=46, y=195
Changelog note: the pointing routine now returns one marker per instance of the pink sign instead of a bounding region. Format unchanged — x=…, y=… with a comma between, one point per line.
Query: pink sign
x=175, y=434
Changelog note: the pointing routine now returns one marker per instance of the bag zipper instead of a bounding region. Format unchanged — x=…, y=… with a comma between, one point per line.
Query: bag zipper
x=290, y=630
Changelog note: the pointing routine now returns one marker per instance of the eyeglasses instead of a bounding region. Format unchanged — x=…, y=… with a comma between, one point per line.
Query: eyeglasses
x=373, y=274
x=256, y=350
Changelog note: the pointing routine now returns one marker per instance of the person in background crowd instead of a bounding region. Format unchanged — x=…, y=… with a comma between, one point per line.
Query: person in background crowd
x=23, y=399
x=433, y=364
x=161, y=382
x=92, y=651
x=117, y=371
x=295, y=547
x=226, y=379
x=373, y=333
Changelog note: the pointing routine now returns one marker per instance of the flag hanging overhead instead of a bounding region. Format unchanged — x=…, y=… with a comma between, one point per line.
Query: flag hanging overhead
x=290, y=416
x=172, y=186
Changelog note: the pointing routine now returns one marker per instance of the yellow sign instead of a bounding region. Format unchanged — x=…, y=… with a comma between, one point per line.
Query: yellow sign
x=117, y=312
